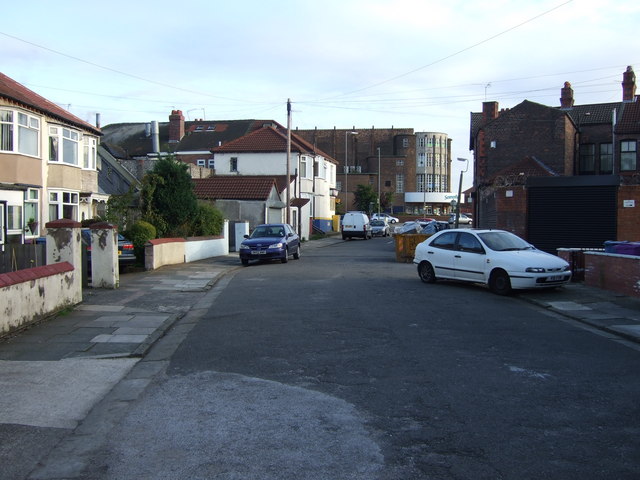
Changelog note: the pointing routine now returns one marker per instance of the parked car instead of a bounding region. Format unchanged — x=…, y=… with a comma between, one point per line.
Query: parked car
x=386, y=216
x=462, y=220
x=126, y=255
x=355, y=224
x=272, y=241
x=496, y=258
x=379, y=228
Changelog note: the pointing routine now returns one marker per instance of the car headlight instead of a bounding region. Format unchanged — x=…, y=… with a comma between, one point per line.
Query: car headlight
x=276, y=245
x=244, y=247
x=535, y=270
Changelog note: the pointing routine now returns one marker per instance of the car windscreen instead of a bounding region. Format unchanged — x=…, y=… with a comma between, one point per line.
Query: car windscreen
x=503, y=241
x=268, y=232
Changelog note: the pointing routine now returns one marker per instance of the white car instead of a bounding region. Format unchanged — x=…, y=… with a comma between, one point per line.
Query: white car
x=496, y=258
x=386, y=216
x=462, y=219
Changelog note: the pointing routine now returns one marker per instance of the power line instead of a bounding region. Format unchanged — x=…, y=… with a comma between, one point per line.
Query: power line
x=119, y=72
x=455, y=53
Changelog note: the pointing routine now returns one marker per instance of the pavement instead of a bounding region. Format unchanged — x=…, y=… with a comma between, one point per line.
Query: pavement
x=56, y=374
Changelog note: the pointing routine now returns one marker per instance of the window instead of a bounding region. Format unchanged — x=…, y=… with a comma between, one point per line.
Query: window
x=387, y=183
x=233, y=164
x=469, y=243
x=399, y=163
x=14, y=217
x=587, y=161
x=6, y=130
x=420, y=182
x=421, y=160
x=430, y=182
x=21, y=130
x=429, y=160
x=303, y=167
x=89, y=153
x=70, y=141
x=31, y=203
x=63, y=205
x=445, y=241
x=606, y=158
x=421, y=141
x=628, y=155
x=338, y=185
x=211, y=163
x=405, y=143
x=399, y=183
x=200, y=162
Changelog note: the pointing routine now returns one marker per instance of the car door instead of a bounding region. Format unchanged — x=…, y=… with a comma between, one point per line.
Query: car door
x=470, y=259
x=292, y=238
x=441, y=254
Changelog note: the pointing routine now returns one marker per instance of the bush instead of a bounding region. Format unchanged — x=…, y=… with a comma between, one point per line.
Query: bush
x=139, y=234
x=208, y=220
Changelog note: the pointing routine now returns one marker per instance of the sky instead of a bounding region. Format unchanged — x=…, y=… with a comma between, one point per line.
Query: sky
x=421, y=64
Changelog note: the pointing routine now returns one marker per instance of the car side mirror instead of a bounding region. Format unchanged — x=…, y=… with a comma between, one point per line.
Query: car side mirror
x=246, y=236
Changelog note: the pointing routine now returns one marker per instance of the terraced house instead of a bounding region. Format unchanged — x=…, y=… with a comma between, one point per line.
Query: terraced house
x=47, y=164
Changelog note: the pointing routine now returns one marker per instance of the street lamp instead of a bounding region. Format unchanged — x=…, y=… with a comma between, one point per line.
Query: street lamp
x=462, y=172
x=346, y=167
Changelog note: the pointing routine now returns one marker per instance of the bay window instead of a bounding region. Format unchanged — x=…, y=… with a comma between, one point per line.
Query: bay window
x=64, y=144
x=19, y=132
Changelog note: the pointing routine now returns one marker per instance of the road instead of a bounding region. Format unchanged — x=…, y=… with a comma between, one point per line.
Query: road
x=343, y=365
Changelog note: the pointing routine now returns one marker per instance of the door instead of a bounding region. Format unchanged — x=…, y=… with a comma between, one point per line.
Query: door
x=470, y=259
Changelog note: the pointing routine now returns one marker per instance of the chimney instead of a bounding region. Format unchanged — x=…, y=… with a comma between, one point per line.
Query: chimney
x=155, y=137
x=566, y=97
x=628, y=85
x=176, y=126
x=97, y=120
x=489, y=111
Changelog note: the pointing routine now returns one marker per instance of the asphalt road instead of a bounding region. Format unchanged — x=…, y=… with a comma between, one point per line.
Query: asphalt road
x=343, y=365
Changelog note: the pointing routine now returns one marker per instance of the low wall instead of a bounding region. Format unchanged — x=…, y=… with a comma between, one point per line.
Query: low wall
x=612, y=271
x=170, y=251
x=30, y=295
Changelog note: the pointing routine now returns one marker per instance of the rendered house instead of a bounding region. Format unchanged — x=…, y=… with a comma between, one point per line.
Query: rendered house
x=47, y=164
x=263, y=152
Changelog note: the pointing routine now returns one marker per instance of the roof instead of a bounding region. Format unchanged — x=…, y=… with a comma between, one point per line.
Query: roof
x=628, y=119
x=234, y=187
x=128, y=140
x=18, y=93
x=269, y=140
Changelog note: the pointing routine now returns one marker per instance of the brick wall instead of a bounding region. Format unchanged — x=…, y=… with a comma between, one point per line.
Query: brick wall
x=617, y=273
x=628, y=224
x=512, y=210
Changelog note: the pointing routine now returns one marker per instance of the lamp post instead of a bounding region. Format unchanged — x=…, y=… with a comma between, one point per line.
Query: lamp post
x=462, y=172
x=379, y=193
x=346, y=168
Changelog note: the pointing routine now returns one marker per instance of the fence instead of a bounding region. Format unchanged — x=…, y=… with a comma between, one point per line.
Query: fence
x=17, y=256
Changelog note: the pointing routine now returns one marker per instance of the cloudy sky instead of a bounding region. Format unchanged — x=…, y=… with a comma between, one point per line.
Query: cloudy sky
x=421, y=64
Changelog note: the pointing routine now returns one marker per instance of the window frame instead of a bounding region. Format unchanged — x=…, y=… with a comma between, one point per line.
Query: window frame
x=629, y=155
x=22, y=134
x=64, y=141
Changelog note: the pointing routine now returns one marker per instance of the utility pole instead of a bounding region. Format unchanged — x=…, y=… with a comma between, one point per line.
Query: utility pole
x=288, y=160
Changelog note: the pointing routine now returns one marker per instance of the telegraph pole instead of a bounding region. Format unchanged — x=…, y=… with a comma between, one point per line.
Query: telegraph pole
x=288, y=160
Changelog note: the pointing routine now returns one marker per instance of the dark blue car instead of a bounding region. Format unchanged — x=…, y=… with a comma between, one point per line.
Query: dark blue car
x=273, y=241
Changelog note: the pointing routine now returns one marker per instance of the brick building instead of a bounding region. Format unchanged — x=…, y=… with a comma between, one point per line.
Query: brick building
x=401, y=162
x=559, y=176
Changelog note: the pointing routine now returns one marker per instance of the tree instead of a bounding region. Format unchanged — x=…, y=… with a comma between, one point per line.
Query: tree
x=366, y=198
x=168, y=200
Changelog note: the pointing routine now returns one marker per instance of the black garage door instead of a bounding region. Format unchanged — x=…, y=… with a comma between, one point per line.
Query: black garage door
x=572, y=212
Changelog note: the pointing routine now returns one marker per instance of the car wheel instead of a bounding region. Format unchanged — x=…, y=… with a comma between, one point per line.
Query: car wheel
x=500, y=283
x=426, y=273
x=296, y=254
x=285, y=259
x=245, y=262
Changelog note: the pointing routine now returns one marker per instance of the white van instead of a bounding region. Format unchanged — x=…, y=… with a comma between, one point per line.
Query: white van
x=355, y=224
